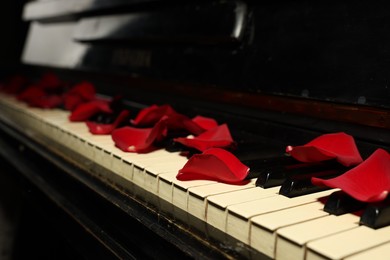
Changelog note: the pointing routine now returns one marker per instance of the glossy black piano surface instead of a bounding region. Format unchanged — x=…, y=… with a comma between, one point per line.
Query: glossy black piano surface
x=278, y=73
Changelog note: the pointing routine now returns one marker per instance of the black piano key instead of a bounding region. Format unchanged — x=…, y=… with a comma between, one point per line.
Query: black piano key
x=300, y=184
x=275, y=176
x=263, y=166
x=376, y=216
x=340, y=203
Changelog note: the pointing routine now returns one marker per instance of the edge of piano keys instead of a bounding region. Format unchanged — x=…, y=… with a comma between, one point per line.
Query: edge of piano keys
x=293, y=240
x=263, y=233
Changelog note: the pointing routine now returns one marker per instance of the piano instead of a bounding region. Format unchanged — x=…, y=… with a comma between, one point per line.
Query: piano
x=277, y=73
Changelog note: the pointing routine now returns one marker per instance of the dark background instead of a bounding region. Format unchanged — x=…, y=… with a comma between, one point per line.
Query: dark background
x=13, y=31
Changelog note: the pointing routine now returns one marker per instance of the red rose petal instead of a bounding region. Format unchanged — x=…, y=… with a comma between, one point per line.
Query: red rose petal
x=86, y=110
x=217, y=137
x=151, y=115
x=178, y=121
x=339, y=146
x=84, y=89
x=14, y=84
x=71, y=102
x=49, y=81
x=103, y=129
x=214, y=164
x=131, y=139
x=49, y=101
x=367, y=182
x=31, y=93
x=80, y=93
x=205, y=122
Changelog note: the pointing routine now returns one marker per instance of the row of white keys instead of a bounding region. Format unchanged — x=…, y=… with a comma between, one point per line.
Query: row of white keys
x=264, y=227
x=141, y=163
x=292, y=241
x=350, y=242
x=305, y=231
x=380, y=252
x=239, y=215
x=157, y=195
x=197, y=198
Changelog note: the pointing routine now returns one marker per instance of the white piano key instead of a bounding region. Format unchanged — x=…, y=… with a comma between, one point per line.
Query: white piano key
x=238, y=221
x=292, y=241
x=180, y=196
x=165, y=192
x=153, y=171
x=343, y=244
x=216, y=214
x=140, y=162
x=197, y=203
x=380, y=252
x=133, y=157
x=263, y=228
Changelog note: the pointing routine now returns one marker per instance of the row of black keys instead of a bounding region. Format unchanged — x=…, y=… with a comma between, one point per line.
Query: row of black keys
x=295, y=180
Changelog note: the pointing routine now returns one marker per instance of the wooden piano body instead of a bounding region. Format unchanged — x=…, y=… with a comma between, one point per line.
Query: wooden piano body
x=277, y=73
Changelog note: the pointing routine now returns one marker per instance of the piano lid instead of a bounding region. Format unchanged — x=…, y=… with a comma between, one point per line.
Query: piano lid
x=331, y=59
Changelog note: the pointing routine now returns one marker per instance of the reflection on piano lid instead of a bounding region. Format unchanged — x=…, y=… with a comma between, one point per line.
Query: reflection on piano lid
x=278, y=74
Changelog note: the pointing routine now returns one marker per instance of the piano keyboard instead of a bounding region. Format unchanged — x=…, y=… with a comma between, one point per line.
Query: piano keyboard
x=261, y=219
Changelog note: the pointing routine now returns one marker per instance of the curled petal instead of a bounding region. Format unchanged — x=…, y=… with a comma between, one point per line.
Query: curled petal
x=86, y=110
x=217, y=137
x=151, y=115
x=367, y=182
x=339, y=146
x=103, y=129
x=131, y=139
x=214, y=164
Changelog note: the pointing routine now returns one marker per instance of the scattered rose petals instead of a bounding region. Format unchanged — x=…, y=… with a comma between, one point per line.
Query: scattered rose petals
x=214, y=164
x=46, y=101
x=31, y=93
x=217, y=137
x=49, y=81
x=176, y=121
x=84, y=111
x=14, y=84
x=45, y=93
x=80, y=93
x=141, y=140
x=367, y=182
x=339, y=146
x=151, y=115
x=103, y=129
